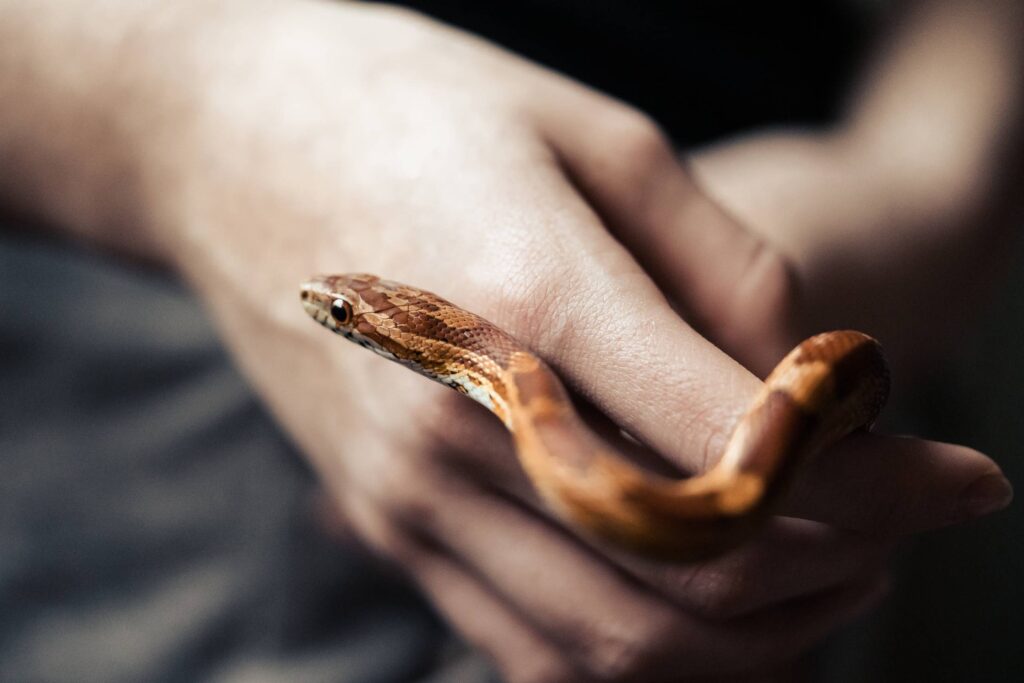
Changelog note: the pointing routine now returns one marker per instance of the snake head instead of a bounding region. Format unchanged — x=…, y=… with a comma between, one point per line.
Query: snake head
x=401, y=323
x=357, y=306
x=335, y=302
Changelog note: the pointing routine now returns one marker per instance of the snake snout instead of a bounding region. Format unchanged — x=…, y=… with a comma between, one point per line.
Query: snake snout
x=316, y=302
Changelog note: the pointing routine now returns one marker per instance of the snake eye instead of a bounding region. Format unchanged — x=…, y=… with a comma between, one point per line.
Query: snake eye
x=341, y=311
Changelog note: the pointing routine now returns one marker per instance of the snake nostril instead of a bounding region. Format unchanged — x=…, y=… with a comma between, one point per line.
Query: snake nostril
x=305, y=295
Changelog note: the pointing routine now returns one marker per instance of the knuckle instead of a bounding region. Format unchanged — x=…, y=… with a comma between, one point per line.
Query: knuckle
x=763, y=303
x=771, y=274
x=766, y=290
x=638, y=140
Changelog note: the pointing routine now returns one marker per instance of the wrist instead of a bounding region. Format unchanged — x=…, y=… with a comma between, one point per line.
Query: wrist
x=82, y=116
x=111, y=108
x=249, y=127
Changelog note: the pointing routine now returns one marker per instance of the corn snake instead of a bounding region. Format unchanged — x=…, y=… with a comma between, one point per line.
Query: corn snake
x=828, y=386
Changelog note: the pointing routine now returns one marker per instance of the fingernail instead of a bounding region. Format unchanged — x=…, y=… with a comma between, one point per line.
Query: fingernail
x=985, y=495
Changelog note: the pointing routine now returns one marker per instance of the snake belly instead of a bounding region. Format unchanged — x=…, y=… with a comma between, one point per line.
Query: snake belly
x=829, y=385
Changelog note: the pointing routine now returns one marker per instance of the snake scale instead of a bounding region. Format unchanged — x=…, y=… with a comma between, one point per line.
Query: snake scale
x=828, y=386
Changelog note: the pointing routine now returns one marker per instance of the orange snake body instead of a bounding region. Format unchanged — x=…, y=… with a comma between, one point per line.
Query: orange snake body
x=828, y=386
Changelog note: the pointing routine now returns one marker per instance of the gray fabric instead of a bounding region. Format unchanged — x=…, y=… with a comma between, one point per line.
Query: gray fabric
x=154, y=526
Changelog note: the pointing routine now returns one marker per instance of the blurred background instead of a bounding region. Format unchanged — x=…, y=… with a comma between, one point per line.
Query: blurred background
x=154, y=524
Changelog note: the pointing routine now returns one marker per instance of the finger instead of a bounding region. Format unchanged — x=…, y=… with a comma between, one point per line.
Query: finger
x=790, y=558
x=731, y=284
x=482, y=618
x=869, y=484
x=894, y=485
x=608, y=623
x=588, y=308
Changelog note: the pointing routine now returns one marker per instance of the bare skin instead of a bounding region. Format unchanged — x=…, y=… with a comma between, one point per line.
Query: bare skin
x=254, y=143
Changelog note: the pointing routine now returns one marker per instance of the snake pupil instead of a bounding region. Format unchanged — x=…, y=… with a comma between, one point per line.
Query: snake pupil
x=341, y=311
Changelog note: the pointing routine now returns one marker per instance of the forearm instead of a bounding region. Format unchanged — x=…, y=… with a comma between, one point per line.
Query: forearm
x=897, y=220
x=81, y=114
x=110, y=106
x=938, y=119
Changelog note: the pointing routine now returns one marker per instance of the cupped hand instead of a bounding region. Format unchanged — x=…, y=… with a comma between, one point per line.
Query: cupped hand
x=322, y=138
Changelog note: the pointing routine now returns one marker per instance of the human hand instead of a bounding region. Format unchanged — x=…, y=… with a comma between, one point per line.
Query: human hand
x=310, y=138
x=899, y=221
x=915, y=279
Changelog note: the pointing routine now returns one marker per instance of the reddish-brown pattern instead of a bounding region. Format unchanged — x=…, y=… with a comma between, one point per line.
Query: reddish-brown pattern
x=828, y=386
